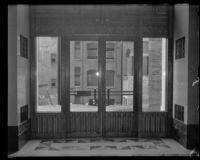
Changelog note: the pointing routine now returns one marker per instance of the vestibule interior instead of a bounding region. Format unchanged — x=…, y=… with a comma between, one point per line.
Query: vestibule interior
x=102, y=70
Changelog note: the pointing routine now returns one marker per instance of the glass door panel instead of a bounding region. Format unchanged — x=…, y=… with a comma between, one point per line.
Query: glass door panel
x=84, y=76
x=119, y=77
x=154, y=74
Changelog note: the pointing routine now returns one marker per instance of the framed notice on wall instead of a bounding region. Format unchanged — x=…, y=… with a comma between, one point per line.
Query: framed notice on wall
x=23, y=46
x=180, y=48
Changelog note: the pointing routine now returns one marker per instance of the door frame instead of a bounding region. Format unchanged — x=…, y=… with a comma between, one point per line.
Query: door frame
x=101, y=38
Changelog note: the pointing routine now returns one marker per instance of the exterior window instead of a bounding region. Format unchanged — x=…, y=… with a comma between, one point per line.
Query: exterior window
x=145, y=47
x=92, y=50
x=154, y=74
x=53, y=58
x=47, y=74
x=110, y=78
x=77, y=74
x=110, y=50
x=91, y=78
x=77, y=50
x=53, y=82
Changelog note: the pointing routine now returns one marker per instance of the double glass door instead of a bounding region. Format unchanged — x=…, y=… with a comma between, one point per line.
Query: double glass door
x=101, y=87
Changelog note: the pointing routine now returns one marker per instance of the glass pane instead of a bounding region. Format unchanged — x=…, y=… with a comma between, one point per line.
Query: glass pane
x=77, y=50
x=119, y=76
x=47, y=74
x=84, y=77
x=154, y=74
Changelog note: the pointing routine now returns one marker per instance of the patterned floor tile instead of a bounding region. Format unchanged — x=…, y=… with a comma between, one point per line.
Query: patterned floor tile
x=53, y=149
x=120, y=140
x=110, y=147
x=74, y=148
x=95, y=140
x=70, y=140
x=103, y=147
x=45, y=144
x=125, y=148
x=133, y=140
x=137, y=146
x=163, y=146
x=41, y=148
x=83, y=141
x=96, y=147
x=109, y=139
x=46, y=141
x=150, y=147
x=59, y=141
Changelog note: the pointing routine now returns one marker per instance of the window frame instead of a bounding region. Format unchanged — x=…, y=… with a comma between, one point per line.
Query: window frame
x=58, y=75
x=166, y=73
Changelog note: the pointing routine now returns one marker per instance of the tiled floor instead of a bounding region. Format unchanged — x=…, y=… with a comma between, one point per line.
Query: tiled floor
x=103, y=147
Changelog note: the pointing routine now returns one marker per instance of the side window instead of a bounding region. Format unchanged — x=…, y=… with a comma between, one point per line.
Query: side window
x=154, y=74
x=77, y=76
x=47, y=74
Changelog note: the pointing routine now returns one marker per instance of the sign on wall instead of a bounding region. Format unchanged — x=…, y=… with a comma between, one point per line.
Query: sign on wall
x=23, y=46
x=180, y=48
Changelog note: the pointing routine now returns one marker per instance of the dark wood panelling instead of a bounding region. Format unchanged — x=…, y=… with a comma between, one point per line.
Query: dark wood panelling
x=187, y=135
x=49, y=125
x=18, y=136
x=24, y=113
x=84, y=124
x=23, y=138
x=169, y=75
x=23, y=127
x=192, y=135
x=105, y=19
x=179, y=112
x=12, y=138
x=120, y=124
x=153, y=124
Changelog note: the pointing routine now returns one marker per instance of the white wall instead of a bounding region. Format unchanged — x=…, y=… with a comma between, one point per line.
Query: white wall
x=12, y=65
x=181, y=28
x=22, y=63
x=18, y=67
x=186, y=23
x=193, y=62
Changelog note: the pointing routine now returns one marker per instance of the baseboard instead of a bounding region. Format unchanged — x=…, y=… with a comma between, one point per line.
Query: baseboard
x=18, y=136
x=186, y=135
x=12, y=139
